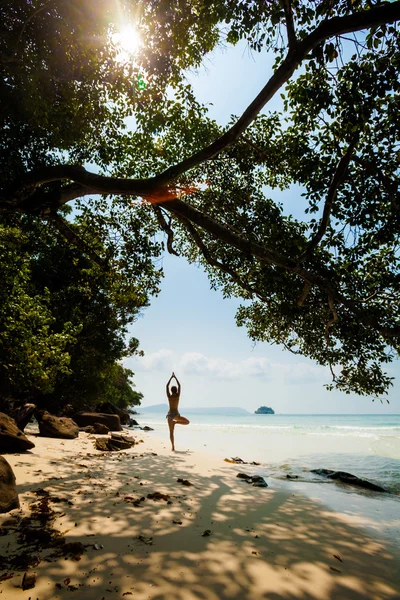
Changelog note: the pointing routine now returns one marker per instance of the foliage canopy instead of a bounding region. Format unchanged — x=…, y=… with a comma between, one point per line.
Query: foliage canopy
x=326, y=287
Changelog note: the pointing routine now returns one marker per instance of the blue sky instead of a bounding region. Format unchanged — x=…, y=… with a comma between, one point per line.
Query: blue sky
x=191, y=329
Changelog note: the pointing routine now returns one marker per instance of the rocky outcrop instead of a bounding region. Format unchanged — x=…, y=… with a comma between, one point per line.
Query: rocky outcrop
x=348, y=478
x=23, y=415
x=264, y=410
x=12, y=439
x=86, y=418
x=56, y=427
x=8, y=490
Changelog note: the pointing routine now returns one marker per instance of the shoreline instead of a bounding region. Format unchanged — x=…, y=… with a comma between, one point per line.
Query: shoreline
x=278, y=542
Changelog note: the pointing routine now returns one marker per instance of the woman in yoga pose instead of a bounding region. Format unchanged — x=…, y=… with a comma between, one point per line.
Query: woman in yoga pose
x=173, y=415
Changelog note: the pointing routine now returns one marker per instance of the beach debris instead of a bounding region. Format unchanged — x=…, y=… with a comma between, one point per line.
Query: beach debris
x=28, y=580
x=159, y=496
x=239, y=461
x=184, y=482
x=6, y=576
x=206, y=533
x=337, y=557
x=73, y=550
x=255, y=480
x=139, y=501
x=288, y=476
x=145, y=540
x=177, y=522
x=98, y=546
x=334, y=569
x=22, y=562
x=349, y=479
x=8, y=489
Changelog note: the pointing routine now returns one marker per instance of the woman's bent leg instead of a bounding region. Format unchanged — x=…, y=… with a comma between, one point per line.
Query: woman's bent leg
x=181, y=420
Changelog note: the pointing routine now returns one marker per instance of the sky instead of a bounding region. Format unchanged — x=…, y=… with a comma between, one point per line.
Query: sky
x=191, y=330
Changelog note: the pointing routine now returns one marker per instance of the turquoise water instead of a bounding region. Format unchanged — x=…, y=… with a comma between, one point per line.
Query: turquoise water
x=366, y=445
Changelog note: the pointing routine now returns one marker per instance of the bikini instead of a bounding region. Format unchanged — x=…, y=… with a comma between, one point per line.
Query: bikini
x=172, y=414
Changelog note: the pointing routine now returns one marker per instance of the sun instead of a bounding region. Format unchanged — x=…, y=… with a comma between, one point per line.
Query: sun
x=127, y=40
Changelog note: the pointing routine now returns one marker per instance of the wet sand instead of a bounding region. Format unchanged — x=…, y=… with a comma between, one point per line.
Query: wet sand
x=275, y=543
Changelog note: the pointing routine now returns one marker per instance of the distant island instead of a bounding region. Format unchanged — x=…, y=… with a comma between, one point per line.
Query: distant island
x=264, y=410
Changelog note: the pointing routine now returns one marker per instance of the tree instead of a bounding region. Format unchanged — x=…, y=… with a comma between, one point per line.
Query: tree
x=325, y=287
x=64, y=320
x=118, y=387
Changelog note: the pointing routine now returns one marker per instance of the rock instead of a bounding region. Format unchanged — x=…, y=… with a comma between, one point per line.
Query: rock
x=56, y=427
x=184, y=482
x=114, y=443
x=255, y=480
x=23, y=415
x=134, y=423
x=68, y=411
x=12, y=439
x=243, y=476
x=85, y=418
x=258, y=481
x=100, y=429
x=87, y=429
x=349, y=479
x=8, y=490
x=28, y=581
x=109, y=408
x=147, y=428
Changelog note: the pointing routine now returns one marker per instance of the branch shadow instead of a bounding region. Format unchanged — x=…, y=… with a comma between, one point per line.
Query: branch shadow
x=264, y=543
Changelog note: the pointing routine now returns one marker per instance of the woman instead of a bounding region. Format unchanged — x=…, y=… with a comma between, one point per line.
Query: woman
x=173, y=415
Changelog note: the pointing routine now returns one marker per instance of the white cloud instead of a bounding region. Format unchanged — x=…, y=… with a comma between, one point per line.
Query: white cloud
x=162, y=360
x=197, y=364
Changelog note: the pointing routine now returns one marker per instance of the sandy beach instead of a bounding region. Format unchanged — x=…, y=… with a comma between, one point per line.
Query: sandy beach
x=275, y=543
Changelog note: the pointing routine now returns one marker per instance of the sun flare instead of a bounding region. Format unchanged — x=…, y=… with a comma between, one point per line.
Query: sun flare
x=127, y=40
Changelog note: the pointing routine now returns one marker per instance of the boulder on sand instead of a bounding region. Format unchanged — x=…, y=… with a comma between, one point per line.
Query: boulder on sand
x=86, y=418
x=8, y=490
x=12, y=439
x=56, y=427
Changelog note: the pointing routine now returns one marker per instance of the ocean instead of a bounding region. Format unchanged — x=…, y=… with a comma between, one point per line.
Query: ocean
x=365, y=445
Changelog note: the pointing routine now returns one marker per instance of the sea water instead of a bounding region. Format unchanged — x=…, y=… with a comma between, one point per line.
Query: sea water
x=365, y=445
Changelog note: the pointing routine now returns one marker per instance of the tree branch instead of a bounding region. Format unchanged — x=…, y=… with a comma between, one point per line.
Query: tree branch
x=291, y=34
x=74, y=239
x=384, y=13
x=338, y=176
x=166, y=227
x=216, y=263
x=334, y=319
